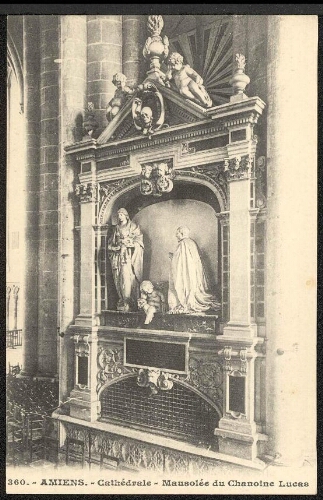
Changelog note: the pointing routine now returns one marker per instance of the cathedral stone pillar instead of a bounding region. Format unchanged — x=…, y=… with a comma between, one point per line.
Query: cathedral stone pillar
x=291, y=236
x=31, y=66
x=48, y=197
x=72, y=105
x=104, y=58
x=134, y=37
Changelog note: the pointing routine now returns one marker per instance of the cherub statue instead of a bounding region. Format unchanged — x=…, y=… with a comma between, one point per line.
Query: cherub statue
x=164, y=183
x=188, y=82
x=151, y=300
x=120, y=97
x=146, y=185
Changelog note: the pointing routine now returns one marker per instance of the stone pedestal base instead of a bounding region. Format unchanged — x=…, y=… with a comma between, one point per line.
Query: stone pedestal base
x=237, y=438
x=234, y=331
x=82, y=407
x=156, y=75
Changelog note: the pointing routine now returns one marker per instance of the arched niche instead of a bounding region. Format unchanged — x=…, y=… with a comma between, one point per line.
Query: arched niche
x=192, y=203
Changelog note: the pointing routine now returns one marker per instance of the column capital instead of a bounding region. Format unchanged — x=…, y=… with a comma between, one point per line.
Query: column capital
x=239, y=167
x=87, y=192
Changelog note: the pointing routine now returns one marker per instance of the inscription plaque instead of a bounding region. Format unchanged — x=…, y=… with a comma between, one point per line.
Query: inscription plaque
x=168, y=356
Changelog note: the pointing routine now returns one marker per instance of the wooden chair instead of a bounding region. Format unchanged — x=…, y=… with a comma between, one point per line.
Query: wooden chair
x=75, y=451
x=51, y=440
x=35, y=438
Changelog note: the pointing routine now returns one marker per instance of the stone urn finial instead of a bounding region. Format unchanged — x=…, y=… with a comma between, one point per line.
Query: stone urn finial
x=156, y=48
x=90, y=123
x=155, y=25
x=239, y=80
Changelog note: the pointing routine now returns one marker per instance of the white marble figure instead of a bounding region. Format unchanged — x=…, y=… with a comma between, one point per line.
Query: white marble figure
x=188, y=82
x=125, y=250
x=120, y=97
x=187, y=281
x=151, y=300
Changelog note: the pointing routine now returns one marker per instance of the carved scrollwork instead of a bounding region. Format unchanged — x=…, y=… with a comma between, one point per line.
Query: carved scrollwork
x=215, y=174
x=110, y=363
x=110, y=189
x=186, y=149
x=148, y=110
x=207, y=376
x=227, y=358
x=154, y=379
x=86, y=192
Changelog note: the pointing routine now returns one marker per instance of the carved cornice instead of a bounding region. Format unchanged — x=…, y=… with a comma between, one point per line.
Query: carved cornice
x=86, y=192
x=239, y=167
x=86, y=155
x=172, y=134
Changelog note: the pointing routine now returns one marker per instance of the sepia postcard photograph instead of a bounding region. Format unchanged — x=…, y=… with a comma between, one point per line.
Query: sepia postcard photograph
x=161, y=252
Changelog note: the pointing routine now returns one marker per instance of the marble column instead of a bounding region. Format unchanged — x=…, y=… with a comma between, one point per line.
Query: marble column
x=104, y=58
x=31, y=64
x=291, y=236
x=72, y=104
x=134, y=37
x=48, y=197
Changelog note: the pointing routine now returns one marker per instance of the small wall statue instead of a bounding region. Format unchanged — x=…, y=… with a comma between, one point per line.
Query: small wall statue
x=188, y=286
x=121, y=95
x=151, y=300
x=156, y=178
x=125, y=251
x=148, y=110
x=188, y=82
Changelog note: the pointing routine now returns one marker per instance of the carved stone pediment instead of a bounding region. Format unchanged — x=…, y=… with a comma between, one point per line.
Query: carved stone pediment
x=178, y=110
